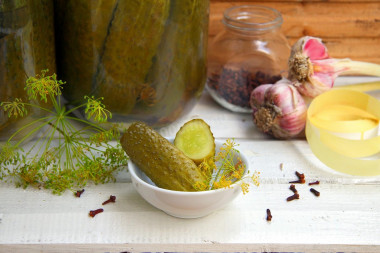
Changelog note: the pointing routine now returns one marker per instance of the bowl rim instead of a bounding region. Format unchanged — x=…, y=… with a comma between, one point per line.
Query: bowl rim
x=132, y=167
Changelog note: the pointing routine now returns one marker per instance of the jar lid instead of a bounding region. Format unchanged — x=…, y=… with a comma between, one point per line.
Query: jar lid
x=252, y=18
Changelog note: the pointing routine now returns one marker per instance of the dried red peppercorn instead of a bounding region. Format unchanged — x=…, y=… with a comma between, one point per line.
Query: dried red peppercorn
x=235, y=85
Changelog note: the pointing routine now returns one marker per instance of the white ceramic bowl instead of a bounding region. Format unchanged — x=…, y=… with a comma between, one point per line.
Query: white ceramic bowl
x=184, y=204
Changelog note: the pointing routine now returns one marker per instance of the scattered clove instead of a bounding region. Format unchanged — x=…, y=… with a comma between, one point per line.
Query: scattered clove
x=293, y=188
x=111, y=199
x=300, y=175
x=78, y=193
x=293, y=197
x=269, y=215
x=315, y=192
x=92, y=213
x=299, y=181
x=314, y=183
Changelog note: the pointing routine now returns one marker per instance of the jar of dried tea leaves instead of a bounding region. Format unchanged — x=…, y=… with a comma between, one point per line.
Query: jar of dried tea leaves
x=251, y=50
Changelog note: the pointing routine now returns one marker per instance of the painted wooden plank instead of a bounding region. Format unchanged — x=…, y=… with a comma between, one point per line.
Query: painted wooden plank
x=345, y=218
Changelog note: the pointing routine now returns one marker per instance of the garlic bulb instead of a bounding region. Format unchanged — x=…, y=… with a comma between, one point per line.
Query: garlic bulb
x=278, y=109
x=315, y=72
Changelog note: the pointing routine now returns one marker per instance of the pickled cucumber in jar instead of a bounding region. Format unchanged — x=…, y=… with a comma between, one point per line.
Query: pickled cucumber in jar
x=27, y=48
x=145, y=58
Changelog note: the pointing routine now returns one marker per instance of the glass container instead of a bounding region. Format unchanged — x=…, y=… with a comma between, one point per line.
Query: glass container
x=26, y=48
x=251, y=50
x=147, y=59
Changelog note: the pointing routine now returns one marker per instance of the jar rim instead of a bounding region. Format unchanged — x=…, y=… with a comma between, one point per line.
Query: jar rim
x=240, y=18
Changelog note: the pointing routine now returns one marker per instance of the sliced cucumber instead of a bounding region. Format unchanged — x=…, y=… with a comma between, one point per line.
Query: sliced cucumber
x=196, y=140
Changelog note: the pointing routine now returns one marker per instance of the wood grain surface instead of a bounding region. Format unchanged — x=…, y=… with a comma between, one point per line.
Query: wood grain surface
x=350, y=29
x=344, y=218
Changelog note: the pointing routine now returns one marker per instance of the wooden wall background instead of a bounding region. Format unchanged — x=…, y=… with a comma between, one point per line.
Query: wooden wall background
x=350, y=29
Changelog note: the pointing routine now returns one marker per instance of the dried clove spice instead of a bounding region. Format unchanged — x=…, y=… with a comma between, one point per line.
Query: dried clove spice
x=315, y=192
x=235, y=85
x=269, y=215
x=111, y=199
x=78, y=193
x=300, y=175
x=293, y=188
x=299, y=181
x=92, y=213
x=314, y=183
x=293, y=197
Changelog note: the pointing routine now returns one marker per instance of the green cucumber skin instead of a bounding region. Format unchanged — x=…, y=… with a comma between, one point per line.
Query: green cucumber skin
x=160, y=160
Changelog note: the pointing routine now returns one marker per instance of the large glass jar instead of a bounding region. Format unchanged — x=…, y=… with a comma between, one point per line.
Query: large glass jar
x=147, y=59
x=249, y=51
x=26, y=48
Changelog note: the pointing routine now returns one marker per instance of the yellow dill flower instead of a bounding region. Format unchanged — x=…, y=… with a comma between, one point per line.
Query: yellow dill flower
x=224, y=182
x=15, y=108
x=244, y=187
x=200, y=186
x=95, y=109
x=255, y=178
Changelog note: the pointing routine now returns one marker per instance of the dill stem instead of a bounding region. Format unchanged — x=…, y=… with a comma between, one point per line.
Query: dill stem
x=57, y=128
x=45, y=139
x=75, y=108
x=30, y=133
x=38, y=107
x=86, y=122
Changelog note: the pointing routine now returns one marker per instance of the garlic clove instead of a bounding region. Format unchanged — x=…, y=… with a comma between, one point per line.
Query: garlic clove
x=279, y=110
x=310, y=65
x=314, y=48
x=257, y=97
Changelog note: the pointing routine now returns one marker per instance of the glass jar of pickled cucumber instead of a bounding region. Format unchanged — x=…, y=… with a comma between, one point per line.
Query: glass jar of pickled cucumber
x=251, y=50
x=26, y=48
x=147, y=59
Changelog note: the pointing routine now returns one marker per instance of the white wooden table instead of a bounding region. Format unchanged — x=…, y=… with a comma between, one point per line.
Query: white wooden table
x=345, y=218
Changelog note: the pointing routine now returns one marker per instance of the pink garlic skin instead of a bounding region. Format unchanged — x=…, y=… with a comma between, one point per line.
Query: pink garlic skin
x=278, y=110
x=311, y=66
x=258, y=94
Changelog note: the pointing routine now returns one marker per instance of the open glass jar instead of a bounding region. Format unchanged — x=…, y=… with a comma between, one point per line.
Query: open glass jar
x=250, y=51
x=147, y=59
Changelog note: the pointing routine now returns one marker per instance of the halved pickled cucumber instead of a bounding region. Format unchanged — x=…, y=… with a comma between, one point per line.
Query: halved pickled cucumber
x=196, y=140
x=166, y=165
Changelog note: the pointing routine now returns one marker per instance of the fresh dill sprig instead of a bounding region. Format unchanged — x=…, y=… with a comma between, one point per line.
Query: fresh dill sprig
x=63, y=157
x=226, y=168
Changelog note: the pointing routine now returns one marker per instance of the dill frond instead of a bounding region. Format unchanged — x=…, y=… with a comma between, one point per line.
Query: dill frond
x=227, y=168
x=63, y=157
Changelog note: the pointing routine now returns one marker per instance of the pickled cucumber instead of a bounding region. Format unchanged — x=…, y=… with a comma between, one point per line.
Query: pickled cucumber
x=160, y=160
x=196, y=140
